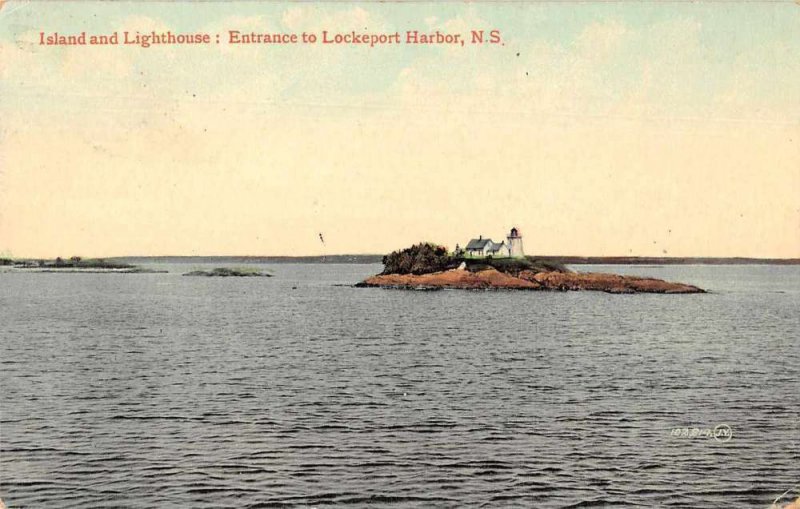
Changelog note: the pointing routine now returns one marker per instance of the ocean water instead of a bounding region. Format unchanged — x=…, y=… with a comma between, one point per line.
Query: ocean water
x=157, y=390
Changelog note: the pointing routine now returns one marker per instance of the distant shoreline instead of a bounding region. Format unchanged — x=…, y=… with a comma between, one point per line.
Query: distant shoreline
x=374, y=259
x=367, y=259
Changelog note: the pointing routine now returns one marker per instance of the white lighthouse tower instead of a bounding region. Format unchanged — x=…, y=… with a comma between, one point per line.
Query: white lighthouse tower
x=515, y=243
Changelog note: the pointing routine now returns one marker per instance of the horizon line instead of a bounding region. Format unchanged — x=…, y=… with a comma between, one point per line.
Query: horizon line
x=663, y=259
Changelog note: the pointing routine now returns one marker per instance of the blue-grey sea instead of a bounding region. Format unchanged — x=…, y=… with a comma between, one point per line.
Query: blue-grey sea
x=158, y=390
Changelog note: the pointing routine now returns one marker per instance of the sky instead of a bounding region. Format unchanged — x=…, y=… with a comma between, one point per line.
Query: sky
x=596, y=128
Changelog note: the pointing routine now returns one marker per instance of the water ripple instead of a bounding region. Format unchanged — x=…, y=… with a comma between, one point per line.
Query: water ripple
x=162, y=391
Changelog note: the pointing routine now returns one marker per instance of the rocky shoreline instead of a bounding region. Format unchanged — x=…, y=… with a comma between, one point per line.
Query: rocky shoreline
x=492, y=279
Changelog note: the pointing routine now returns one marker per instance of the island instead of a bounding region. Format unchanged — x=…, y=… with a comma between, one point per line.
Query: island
x=428, y=266
x=227, y=272
x=75, y=264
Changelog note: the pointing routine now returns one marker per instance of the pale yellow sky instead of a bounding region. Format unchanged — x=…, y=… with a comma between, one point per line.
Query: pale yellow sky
x=617, y=130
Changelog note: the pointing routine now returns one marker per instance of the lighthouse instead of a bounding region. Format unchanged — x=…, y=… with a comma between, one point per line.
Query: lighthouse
x=515, y=243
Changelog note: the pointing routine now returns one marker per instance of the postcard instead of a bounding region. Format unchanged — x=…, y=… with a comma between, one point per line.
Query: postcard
x=402, y=253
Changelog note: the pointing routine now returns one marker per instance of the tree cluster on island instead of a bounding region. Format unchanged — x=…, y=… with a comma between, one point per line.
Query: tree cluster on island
x=427, y=258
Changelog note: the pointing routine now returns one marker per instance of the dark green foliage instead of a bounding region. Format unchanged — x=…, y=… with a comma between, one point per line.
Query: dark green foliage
x=550, y=266
x=422, y=258
x=514, y=266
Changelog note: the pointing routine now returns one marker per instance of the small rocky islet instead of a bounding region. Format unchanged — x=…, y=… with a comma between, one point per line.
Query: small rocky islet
x=428, y=266
x=228, y=272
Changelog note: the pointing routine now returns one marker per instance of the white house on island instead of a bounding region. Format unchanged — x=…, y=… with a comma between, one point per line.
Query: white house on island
x=481, y=248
